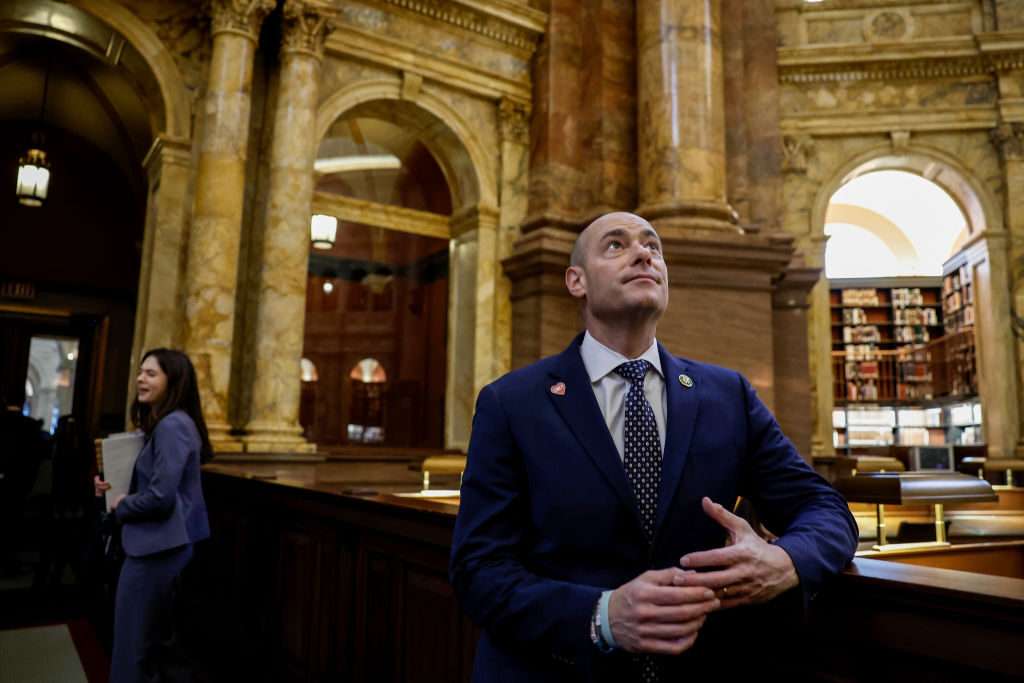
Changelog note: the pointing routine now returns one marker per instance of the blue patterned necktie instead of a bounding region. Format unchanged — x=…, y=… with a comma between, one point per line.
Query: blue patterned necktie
x=641, y=445
x=641, y=456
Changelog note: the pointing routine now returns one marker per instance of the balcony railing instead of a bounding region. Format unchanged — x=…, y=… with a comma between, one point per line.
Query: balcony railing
x=944, y=367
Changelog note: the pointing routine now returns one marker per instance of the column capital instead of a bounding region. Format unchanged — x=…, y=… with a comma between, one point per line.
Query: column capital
x=1009, y=139
x=242, y=17
x=306, y=26
x=513, y=118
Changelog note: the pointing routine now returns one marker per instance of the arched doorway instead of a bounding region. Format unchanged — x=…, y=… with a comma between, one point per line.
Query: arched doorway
x=413, y=192
x=916, y=209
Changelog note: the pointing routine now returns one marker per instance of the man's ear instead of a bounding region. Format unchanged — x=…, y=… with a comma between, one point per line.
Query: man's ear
x=576, y=281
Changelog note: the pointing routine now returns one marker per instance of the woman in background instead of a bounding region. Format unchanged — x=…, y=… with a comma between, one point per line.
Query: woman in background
x=162, y=516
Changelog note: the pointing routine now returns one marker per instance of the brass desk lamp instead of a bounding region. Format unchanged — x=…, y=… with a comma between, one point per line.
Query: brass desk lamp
x=910, y=488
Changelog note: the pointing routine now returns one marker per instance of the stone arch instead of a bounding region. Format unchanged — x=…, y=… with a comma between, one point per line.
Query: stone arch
x=876, y=224
x=177, y=110
x=112, y=33
x=466, y=165
x=971, y=196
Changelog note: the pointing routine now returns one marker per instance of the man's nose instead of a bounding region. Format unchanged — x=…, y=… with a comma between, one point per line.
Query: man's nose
x=641, y=254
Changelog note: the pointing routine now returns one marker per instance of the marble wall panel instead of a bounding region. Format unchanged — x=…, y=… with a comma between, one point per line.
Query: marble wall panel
x=853, y=24
x=901, y=96
x=828, y=29
x=1009, y=15
x=716, y=326
x=439, y=38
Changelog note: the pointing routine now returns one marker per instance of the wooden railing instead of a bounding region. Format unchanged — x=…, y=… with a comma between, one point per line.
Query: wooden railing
x=944, y=367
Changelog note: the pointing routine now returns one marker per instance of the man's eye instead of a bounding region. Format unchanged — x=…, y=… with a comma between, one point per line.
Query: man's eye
x=654, y=246
x=615, y=244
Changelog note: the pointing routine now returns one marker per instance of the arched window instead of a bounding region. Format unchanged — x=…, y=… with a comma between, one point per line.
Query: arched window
x=368, y=370
x=891, y=223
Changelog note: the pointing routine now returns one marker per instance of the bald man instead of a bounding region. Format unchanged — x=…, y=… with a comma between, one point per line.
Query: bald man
x=594, y=539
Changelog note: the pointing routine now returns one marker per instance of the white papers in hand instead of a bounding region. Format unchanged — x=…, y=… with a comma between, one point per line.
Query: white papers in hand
x=119, y=454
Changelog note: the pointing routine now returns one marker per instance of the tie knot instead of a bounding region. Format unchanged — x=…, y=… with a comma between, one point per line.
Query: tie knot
x=634, y=370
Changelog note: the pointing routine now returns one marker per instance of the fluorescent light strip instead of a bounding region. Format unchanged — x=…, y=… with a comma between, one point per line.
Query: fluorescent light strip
x=371, y=162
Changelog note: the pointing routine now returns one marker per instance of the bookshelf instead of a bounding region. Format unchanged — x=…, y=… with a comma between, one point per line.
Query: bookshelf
x=958, y=317
x=881, y=329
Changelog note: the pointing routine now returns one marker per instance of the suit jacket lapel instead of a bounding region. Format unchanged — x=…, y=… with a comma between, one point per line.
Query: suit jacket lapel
x=680, y=419
x=579, y=409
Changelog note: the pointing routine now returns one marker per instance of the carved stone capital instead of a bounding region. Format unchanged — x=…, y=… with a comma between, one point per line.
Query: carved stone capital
x=306, y=26
x=1009, y=138
x=515, y=124
x=797, y=150
x=240, y=16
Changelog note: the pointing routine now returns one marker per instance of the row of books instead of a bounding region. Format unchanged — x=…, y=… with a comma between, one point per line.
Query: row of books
x=862, y=335
x=907, y=296
x=861, y=352
x=860, y=297
x=912, y=335
x=916, y=316
x=854, y=316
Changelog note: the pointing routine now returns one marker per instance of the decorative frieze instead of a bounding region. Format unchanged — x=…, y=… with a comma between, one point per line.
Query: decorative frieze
x=900, y=69
x=489, y=26
x=306, y=26
x=240, y=16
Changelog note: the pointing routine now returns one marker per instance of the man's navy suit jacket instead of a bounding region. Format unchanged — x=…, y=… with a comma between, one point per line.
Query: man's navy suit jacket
x=166, y=508
x=548, y=519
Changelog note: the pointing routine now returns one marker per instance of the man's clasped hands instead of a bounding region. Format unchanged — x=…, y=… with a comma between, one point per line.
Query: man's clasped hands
x=661, y=611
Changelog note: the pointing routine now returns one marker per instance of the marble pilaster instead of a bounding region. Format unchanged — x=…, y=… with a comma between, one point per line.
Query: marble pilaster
x=1009, y=137
x=790, y=312
x=161, y=277
x=514, y=189
x=212, y=268
x=472, y=354
x=995, y=352
x=681, y=117
x=280, y=308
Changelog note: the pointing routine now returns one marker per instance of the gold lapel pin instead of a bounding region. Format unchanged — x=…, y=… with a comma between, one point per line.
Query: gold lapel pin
x=686, y=381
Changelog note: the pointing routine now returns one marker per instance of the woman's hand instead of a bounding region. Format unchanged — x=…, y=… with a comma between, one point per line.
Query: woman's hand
x=100, y=486
x=113, y=506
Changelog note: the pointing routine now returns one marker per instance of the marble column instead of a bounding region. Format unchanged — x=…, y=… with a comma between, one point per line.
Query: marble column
x=280, y=309
x=790, y=309
x=212, y=271
x=681, y=117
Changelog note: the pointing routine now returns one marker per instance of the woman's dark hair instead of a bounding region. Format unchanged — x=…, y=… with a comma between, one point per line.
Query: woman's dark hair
x=182, y=393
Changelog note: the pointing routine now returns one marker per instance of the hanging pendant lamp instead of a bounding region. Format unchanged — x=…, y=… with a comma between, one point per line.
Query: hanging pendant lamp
x=33, y=166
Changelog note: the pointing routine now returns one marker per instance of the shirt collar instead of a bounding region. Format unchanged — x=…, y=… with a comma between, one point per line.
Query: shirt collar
x=599, y=360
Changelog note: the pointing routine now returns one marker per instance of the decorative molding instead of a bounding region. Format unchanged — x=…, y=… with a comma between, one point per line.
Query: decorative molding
x=796, y=150
x=401, y=56
x=306, y=25
x=242, y=17
x=384, y=216
x=900, y=70
x=1009, y=138
x=514, y=120
x=524, y=36
x=412, y=83
x=820, y=124
x=167, y=150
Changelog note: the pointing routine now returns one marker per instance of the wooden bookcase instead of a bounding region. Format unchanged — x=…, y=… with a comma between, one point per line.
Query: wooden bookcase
x=958, y=316
x=880, y=332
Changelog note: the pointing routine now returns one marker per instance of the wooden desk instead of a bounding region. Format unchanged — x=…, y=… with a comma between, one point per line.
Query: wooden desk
x=308, y=579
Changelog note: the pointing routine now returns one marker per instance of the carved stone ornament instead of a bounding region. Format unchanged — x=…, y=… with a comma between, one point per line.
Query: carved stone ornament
x=306, y=26
x=1009, y=138
x=796, y=151
x=240, y=16
x=515, y=125
x=900, y=139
